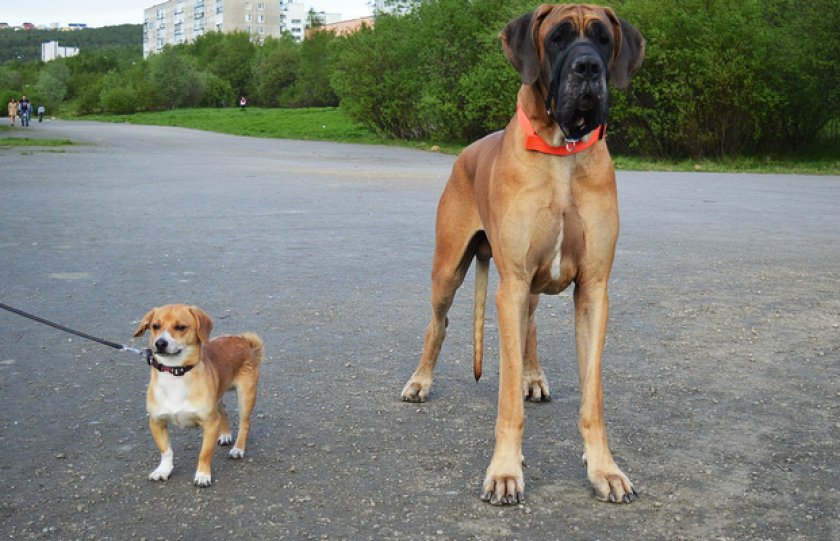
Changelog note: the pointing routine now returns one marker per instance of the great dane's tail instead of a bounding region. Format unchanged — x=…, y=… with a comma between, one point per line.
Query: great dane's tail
x=482, y=269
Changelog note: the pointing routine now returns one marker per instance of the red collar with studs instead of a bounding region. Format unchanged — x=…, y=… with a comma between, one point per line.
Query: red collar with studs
x=536, y=143
x=174, y=370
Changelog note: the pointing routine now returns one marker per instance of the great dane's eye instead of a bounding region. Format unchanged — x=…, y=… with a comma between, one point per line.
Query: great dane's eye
x=561, y=35
x=599, y=34
x=180, y=328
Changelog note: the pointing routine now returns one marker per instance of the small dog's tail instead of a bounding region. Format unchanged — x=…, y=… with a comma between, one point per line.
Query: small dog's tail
x=256, y=344
x=482, y=269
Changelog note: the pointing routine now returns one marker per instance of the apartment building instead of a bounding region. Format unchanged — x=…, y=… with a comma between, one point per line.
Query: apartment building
x=182, y=21
x=293, y=18
x=52, y=50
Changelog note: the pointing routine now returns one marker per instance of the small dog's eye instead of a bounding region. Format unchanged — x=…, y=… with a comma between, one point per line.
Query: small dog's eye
x=156, y=326
x=180, y=327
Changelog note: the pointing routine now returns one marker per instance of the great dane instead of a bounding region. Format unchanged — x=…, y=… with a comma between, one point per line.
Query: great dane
x=539, y=198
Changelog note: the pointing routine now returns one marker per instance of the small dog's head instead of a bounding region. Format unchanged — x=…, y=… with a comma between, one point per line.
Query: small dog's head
x=175, y=329
x=569, y=51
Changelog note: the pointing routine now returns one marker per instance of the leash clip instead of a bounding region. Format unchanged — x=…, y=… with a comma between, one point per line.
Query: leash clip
x=571, y=144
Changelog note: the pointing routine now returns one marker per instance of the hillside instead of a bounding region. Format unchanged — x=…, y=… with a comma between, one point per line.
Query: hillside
x=25, y=45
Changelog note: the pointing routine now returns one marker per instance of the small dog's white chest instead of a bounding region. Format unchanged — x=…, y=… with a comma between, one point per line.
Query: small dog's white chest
x=170, y=402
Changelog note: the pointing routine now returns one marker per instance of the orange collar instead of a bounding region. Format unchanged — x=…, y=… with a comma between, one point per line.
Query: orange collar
x=534, y=142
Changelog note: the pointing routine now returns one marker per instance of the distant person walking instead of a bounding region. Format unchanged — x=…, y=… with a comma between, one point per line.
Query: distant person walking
x=25, y=111
x=41, y=111
x=13, y=111
x=243, y=103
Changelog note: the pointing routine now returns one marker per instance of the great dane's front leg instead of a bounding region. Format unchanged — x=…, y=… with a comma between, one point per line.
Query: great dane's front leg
x=591, y=312
x=534, y=384
x=504, y=482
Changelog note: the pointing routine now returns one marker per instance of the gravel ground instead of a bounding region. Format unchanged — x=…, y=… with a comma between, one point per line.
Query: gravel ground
x=722, y=363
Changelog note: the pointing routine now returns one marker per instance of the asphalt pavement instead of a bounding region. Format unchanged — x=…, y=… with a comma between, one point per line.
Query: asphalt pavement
x=721, y=369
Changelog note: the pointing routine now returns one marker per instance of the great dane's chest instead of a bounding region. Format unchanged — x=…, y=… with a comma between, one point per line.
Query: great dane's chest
x=557, y=245
x=558, y=240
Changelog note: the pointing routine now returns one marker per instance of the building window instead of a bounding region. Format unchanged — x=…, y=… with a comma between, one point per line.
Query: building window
x=260, y=18
x=247, y=17
x=262, y=30
x=261, y=6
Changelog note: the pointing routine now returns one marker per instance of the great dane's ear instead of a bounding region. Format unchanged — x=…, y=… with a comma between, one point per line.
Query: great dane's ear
x=519, y=40
x=628, y=53
x=203, y=324
x=145, y=322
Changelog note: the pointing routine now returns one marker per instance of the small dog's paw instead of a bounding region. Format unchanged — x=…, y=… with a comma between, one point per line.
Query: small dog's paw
x=202, y=479
x=236, y=453
x=225, y=439
x=160, y=474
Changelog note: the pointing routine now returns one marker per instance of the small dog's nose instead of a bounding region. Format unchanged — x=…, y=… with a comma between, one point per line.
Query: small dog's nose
x=161, y=344
x=587, y=67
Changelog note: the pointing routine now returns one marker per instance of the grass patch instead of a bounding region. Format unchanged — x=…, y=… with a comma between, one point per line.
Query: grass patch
x=15, y=142
x=331, y=124
x=310, y=124
x=816, y=165
x=321, y=124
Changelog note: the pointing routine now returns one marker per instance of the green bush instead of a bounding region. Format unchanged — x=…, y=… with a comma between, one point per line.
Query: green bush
x=437, y=71
x=726, y=78
x=720, y=77
x=118, y=100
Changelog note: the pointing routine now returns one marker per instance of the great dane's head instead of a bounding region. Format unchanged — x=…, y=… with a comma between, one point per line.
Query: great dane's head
x=569, y=52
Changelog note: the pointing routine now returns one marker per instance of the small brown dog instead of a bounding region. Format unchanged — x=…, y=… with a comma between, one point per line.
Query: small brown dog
x=190, y=375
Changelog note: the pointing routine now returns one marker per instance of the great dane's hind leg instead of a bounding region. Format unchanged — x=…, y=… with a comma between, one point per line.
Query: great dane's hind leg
x=447, y=276
x=608, y=481
x=534, y=384
x=455, y=243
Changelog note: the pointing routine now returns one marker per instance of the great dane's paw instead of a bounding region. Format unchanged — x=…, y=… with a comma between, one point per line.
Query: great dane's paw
x=535, y=388
x=202, y=479
x=611, y=485
x=236, y=453
x=416, y=391
x=225, y=439
x=503, y=486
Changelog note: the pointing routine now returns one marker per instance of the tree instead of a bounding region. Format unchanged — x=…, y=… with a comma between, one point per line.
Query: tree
x=52, y=83
x=312, y=88
x=230, y=56
x=276, y=70
x=176, y=78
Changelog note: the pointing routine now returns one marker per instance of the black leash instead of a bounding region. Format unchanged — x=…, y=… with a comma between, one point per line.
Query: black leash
x=145, y=353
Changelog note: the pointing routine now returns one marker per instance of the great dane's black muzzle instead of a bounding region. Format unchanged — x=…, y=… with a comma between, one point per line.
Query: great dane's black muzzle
x=578, y=99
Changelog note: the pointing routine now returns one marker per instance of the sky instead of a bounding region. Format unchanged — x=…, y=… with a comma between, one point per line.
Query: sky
x=111, y=12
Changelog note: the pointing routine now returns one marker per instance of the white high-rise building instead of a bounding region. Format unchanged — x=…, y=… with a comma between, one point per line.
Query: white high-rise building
x=293, y=18
x=182, y=21
x=52, y=50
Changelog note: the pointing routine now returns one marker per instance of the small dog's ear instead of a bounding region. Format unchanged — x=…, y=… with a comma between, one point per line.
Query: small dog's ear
x=144, y=323
x=203, y=323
